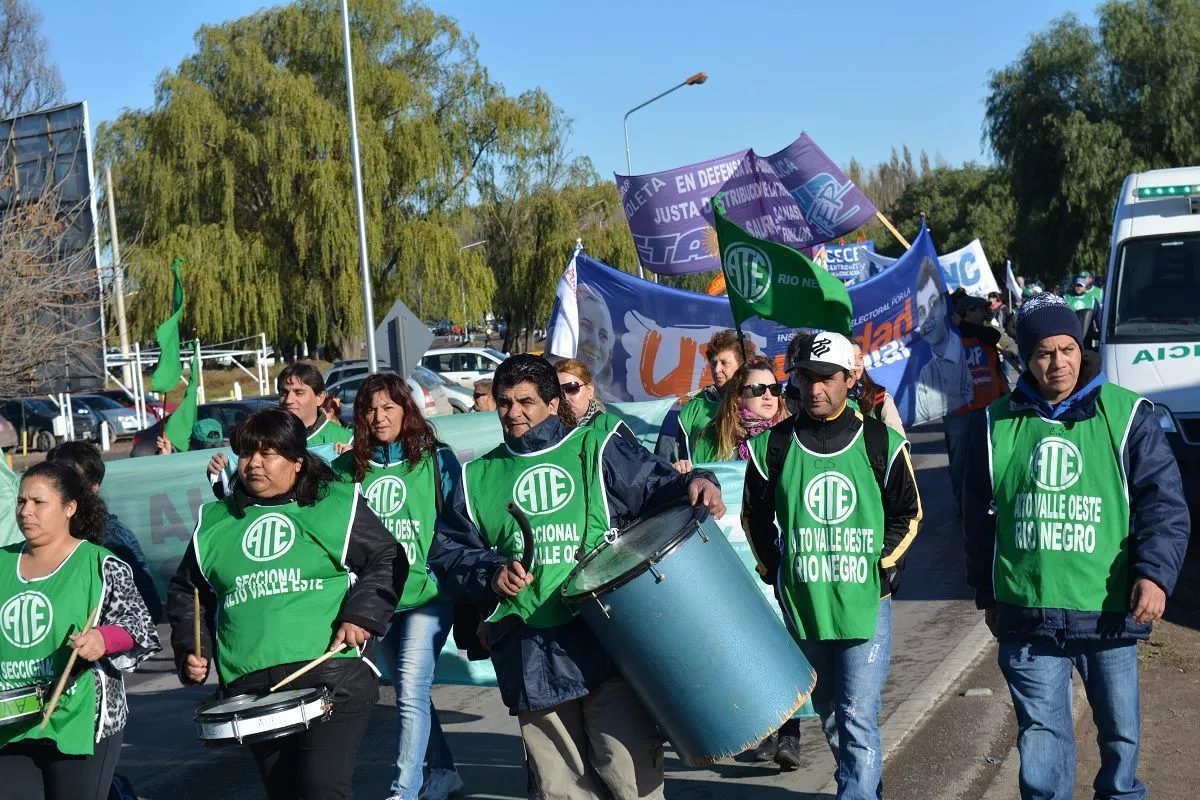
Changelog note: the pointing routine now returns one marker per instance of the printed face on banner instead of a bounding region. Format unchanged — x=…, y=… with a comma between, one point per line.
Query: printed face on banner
x=596, y=335
x=931, y=305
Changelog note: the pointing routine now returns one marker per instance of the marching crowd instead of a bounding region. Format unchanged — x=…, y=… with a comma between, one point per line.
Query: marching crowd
x=1074, y=523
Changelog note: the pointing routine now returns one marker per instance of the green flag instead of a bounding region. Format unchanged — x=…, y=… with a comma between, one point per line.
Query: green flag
x=169, y=369
x=178, y=427
x=775, y=282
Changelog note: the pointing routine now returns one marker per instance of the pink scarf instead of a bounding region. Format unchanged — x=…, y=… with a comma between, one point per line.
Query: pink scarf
x=753, y=425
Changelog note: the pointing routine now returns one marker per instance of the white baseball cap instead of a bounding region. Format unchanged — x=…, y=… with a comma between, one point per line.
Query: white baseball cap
x=825, y=353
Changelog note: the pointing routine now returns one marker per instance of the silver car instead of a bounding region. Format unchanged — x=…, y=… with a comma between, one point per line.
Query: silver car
x=121, y=422
x=426, y=388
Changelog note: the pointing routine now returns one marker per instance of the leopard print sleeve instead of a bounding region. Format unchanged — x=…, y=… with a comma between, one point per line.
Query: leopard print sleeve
x=123, y=606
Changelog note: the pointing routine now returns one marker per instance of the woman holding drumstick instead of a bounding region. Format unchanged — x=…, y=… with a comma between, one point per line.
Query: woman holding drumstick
x=405, y=475
x=68, y=609
x=276, y=558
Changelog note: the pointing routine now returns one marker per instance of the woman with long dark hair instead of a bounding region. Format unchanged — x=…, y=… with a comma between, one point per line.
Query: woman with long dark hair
x=406, y=473
x=752, y=403
x=53, y=584
x=289, y=516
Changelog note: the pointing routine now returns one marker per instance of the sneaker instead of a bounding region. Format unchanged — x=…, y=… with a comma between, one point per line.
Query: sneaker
x=788, y=754
x=442, y=783
x=767, y=748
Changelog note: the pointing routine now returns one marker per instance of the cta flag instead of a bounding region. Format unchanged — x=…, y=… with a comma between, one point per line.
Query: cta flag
x=169, y=369
x=178, y=427
x=775, y=282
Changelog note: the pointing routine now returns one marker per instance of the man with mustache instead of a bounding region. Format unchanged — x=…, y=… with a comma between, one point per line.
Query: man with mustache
x=1076, y=528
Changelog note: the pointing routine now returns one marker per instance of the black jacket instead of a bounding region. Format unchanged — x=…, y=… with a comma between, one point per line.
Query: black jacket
x=901, y=499
x=539, y=668
x=1159, y=524
x=379, y=576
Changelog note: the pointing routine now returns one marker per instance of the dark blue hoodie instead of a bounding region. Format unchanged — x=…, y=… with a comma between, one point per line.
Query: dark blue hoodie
x=1159, y=523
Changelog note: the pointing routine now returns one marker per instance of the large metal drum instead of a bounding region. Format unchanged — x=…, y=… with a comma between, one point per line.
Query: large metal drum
x=685, y=622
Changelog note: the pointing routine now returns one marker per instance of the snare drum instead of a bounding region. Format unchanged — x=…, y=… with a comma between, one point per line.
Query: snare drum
x=249, y=718
x=23, y=703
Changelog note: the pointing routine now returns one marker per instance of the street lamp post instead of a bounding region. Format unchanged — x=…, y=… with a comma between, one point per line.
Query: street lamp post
x=466, y=333
x=695, y=80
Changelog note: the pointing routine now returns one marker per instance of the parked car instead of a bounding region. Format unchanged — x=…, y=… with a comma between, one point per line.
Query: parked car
x=345, y=369
x=155, y=407
x=35, y=415
x=462, y=400
x=121, y=422
x=228, y=412
x=463, y=365
x=426, y=388
x=8, y=435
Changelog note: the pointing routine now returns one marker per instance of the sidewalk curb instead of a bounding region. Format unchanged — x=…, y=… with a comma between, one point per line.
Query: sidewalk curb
x=909, y=715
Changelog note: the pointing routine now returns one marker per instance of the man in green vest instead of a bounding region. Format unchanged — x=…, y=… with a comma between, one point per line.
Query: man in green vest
x=586, y=734
x=725, y=355
x=1081, y=297
x=1076, y=528
x=843, y=491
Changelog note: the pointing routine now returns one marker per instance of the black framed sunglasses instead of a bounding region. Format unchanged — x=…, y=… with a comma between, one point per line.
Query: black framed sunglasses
x=478, y=395
x=759, y=389
x=571, y=388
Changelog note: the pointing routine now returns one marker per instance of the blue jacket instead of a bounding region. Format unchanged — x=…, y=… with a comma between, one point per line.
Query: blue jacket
x=539, y=668
x=1159, y=524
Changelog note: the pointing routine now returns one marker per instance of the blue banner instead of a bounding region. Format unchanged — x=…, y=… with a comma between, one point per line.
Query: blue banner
x=847, y=262
x=642, y=340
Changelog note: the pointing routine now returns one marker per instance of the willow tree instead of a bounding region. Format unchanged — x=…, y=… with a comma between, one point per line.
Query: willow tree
x=243, y=167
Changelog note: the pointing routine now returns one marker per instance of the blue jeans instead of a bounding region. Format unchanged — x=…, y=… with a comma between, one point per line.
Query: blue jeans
x=958, y=440
x=850, y=678
x=1039, y=680
x=411, y=647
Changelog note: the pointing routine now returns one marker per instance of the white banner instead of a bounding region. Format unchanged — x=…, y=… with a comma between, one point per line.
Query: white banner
x=967, y=268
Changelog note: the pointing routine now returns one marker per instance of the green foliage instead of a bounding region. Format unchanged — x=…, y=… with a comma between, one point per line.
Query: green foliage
x=243, y=167
x=1081, y=108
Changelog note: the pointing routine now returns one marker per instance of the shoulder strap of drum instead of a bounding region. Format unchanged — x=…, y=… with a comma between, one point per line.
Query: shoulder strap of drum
x=438, y=500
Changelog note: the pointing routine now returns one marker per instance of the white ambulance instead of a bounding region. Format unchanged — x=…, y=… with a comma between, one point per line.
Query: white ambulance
x=1150, y=334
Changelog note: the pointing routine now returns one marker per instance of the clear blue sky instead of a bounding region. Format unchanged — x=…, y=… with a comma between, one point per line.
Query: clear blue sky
x=860, y=77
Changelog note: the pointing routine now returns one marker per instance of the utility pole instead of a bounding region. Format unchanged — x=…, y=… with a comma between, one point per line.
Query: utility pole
x=118, y=276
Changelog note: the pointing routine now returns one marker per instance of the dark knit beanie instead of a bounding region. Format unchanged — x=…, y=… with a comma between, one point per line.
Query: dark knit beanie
x=1042, y=316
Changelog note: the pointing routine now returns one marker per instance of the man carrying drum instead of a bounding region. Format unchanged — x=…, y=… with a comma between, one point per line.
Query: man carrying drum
x=586, y=734
x=272, y=566
x=843, y=489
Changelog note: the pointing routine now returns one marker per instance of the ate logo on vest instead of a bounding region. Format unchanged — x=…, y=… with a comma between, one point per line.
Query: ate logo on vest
x=543, y=489
x=268, y=538
x=830, y=498
x=748, y=271
x=26, y=619
x=1056, y=464
x=386, y=496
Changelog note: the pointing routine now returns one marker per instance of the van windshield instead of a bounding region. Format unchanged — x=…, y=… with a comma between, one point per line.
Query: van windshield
x=1157, y=290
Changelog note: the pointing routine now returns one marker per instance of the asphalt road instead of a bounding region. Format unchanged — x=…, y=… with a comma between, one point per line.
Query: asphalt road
x=937, y=636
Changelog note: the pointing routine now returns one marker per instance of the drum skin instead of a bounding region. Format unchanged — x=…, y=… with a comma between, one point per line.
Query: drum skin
x=701, y=646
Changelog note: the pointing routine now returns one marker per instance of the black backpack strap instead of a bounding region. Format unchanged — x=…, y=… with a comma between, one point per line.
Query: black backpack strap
x=875, y=437
x=778, y=441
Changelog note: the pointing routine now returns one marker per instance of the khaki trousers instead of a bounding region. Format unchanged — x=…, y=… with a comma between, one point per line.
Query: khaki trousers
x=604, y=745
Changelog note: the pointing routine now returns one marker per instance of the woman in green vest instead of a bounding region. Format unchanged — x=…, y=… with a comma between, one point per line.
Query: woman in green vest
x=275, y=558
x=579, y=391
x=53, y=583
x=752, y=403
x=405, y=474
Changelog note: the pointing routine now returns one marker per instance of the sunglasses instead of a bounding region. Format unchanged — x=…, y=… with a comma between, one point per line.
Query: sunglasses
x=478, y=395
x=759, y=389
x=571, y=388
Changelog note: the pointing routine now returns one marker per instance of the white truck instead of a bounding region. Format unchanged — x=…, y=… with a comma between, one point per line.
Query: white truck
x=1150, y=330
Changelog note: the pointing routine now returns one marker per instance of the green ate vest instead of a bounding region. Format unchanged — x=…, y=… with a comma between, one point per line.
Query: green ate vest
x=831, y=519
x=36, y=620
x=705, y=447
x=280, y=578
x=329, y=433
x=1081, y=302
x=605, y=422
x=696, y=415
x=405, y=500
x=1062, y=506
x=561, y=489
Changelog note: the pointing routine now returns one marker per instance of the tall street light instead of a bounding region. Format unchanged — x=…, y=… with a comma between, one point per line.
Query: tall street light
x=695, y=80
x=466, y=333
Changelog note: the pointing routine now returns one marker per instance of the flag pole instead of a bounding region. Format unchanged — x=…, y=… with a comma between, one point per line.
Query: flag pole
x=892, y=229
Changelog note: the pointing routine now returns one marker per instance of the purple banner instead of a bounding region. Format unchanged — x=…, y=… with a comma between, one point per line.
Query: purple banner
x=797, y=197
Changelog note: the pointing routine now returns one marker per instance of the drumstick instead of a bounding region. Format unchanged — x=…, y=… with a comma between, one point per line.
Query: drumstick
x=62, y=679
x=316, y=662
x=526, y=535
x=196, y=620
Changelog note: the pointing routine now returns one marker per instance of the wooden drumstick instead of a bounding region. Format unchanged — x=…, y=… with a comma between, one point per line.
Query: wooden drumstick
x=316, y=662
x=196, y=620
x=62, y=679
